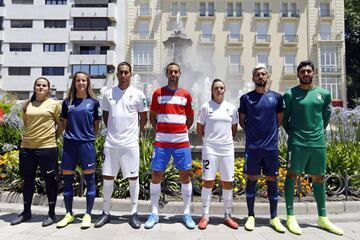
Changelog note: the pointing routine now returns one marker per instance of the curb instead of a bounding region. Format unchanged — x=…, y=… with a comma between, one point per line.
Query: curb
x=217, y=208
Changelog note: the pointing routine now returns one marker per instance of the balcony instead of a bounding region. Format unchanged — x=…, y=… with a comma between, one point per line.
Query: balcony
x=207, y=39
x=262, y=15
x=234, y=40
x=143, y=68
x=96, y=10
x=107, y=58
x=290, y=40
x=143, y=36
x=262, y=40
x=231, y=15
x=93, y=35
x=330, y=69
x=328, y=37
x=235, y=69
x=144, y=13
x=326, y=14
x=289, y=72
x=290, y=16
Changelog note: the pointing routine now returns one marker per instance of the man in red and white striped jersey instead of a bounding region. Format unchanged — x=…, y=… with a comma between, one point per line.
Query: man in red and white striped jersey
x=171, y=115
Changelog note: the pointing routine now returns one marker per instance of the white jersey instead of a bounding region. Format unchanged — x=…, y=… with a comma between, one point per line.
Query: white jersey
x=123, y=123
x=218, y=120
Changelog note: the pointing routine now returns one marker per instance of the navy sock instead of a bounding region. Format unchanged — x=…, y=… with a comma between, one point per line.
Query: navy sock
x=90, y=192
x=273, y=195
x=51, y=191
x=28, y=192
x=68, y=192
x=250, y=196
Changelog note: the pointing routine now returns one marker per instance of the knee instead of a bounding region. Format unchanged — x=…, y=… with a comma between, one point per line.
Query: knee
x=156, y=177
x=226, y=185
x=208, y=184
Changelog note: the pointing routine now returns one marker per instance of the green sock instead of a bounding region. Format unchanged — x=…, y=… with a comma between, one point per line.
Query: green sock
x=320, y=197
x=289, y=195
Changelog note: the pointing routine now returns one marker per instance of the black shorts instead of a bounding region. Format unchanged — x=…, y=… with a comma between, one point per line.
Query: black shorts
x=46, y=158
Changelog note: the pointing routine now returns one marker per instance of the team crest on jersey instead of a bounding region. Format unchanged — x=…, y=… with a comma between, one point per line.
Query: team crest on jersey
x=271, y=99
x=88, y=105
x=318, y=96
x=145, y=102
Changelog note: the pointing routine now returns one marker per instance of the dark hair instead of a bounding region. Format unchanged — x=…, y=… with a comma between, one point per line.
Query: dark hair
x=212, y=85
x=305, y=63
x=172, y=63
x=33, y=96
x=72, y=91
x=124, y=64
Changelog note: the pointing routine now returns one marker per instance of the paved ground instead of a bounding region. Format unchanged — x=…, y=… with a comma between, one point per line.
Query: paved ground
x=169, y=228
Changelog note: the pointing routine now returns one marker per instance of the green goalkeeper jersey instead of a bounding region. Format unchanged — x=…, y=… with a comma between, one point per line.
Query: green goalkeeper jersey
x=306, y=115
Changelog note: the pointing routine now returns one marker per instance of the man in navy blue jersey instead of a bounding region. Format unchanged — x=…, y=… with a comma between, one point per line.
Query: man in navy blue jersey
x=260, y=115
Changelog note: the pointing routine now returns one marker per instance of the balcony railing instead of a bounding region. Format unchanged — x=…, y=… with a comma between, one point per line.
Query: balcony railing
x=89, y=29
x=143, y=35
x=234, y=38
x=259, y=39
x=262, y=14
x=143, y=68
x=87, y=52
x=207, y=38
x=290, y=39
x=209, y=13
x=289, y=70
x=329, y=36
x=232, y=13
x=290, y=14
x=330, y=69
x=89, y=5
x=235, y=69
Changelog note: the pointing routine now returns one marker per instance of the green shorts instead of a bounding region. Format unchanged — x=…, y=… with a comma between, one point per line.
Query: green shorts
x=307, y=160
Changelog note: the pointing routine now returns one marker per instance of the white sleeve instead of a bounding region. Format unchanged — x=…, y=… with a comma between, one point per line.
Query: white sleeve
x=105, y=102
x=235, y=116
x=143, y=104
x=202, y=114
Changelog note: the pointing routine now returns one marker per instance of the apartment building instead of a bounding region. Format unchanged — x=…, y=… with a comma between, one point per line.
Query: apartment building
x=228, y=37
x=56, y=38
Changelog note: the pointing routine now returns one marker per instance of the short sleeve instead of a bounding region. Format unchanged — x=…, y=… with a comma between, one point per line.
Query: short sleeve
x=188, y=107
x=64, y=109
x=242, y=108
x=202, y=114
x=154, y=102
x=97, y=110
x=143, y=105
x=235, y=117
x=105, y=103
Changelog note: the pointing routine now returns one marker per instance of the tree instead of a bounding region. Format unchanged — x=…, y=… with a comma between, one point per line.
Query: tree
x=352, y=42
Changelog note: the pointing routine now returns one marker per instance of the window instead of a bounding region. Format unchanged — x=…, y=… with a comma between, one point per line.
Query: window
x=290, y=64
x=19, y=71
x=206, y=32
x=20, y=47
x=87, y=50
x=183, y=9
x=324, y=9
x=143, y=29
x=266, y=9
x=289, y=32
x=54, y=23
x=238, y=9
x=22, y=2
x=230, y=9
x=234, y=63
x=21, y=24
x=284, y=9
x=55, y=2
x=143, y=57
x=202, y=9
x=293, y=10
x=262, y=58
x=329, y=57
x=325, y=31
x=234, y=29
x=178, y=7
x=264, y=12
x=53, y=71
x=206, y=62
x=54, y=47
x=95, y=71
x=332, y=84
x=257, y=10
x=91, y=23
x=145, y=8
x=262, y=32
x=210, y=9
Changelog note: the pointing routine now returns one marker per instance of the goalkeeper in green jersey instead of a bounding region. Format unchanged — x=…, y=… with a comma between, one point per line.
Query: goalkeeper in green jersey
x=306, y=115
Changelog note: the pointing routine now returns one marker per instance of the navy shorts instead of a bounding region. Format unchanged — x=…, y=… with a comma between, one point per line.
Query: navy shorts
x=82, y=151
x=45, y=158
x=161, y=157
x=259, y=161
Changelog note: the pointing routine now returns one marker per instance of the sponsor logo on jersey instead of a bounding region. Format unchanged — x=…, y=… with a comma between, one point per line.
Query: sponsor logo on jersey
x=318, y=96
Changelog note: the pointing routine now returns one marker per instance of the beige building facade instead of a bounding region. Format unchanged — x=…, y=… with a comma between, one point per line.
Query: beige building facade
x=225, y=39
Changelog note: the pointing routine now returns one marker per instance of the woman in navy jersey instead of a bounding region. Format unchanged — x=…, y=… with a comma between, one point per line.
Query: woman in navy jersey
x=81, y=115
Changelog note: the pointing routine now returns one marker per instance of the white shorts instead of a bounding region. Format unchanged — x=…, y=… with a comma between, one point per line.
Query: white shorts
x=213, y=163
x=126, y=159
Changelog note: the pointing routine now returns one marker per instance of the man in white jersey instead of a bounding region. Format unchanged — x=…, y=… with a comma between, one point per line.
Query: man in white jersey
x=216, y=125
x=124, y=113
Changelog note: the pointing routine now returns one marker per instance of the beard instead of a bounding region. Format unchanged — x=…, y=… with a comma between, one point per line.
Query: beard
x=306, y=81
x=260, y=84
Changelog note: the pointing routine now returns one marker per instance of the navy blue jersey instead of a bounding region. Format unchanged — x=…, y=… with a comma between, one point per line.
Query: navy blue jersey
x=80, y=116
x=260, y=110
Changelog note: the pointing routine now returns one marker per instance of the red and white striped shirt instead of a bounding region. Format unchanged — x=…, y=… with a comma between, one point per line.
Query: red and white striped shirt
x=172, y=108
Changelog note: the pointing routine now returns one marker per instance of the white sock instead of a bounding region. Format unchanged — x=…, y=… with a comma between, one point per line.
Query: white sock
x=108, y=188
x=154, y=197
x=228, y=201
x=205, y=199
x=186, y=190
x=134, y=194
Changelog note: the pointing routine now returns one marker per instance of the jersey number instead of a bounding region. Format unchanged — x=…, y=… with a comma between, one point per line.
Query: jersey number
x=206, y=164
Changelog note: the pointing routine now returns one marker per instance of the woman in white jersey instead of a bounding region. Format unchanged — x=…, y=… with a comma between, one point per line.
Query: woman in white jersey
x=216, y=125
